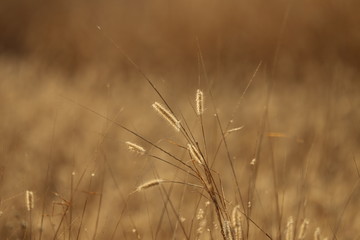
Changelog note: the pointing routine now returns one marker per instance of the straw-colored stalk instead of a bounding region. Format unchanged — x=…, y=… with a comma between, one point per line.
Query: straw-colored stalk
x=199, y=102
x=135, y=148
x=167, y=115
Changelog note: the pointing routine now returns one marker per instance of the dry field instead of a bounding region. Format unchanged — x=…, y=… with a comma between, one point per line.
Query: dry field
x=180, y=120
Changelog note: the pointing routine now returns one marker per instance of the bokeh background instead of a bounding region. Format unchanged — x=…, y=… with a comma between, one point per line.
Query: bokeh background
x=58, y=58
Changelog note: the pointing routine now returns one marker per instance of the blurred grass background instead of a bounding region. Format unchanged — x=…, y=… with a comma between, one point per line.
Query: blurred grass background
x=53, y=50
x=232, y=33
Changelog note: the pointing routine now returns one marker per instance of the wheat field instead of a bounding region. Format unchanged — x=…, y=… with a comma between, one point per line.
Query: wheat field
x=234, y=120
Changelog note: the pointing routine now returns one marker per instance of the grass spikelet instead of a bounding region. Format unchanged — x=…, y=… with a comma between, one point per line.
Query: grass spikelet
x=29, y=200
x=303, y=229
x=317, y=234
x=290, y=229
x=227, y=230
x=149, y=184
x=135, y=148
x=199, y=102
x=167, y=115
x=202, y=227
x=236, y=221
x=195, y=154
x=200, y=214
x=234, y=129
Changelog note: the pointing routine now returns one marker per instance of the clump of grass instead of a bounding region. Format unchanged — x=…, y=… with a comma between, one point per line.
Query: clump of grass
x=201, y=170
x=198, y=164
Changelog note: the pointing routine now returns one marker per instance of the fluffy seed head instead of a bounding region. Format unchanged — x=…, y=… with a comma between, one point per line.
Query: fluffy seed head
x=195, y=154
x=29, y=200
x=317, y=234
x=303, y=229
x=253, y=161
x=236, y=216
x=149, y=184
x=227, y=230
x=200, y=214
x=290, y=229
x=135, y=148
x=199, y=102
x=236, y=221
x=202, y=227
x=235, y=129
x=167, y=115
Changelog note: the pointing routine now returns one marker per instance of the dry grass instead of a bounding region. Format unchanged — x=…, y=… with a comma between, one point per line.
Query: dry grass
x=262, y=103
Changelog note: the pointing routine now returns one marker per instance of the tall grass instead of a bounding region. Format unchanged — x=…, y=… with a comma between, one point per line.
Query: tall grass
x=188, y=173
x=235, y=148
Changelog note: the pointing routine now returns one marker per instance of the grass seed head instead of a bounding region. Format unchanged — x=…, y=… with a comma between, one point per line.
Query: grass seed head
x=195, y=154
x=167, y=115
x=199, y=102
x=149, y=184
x=317, y=234
x=303, y=229
x=227, y=230
x=236, y=221
x=135, y=148
x=290, y=229
x=235, y=129
x=29, y=200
